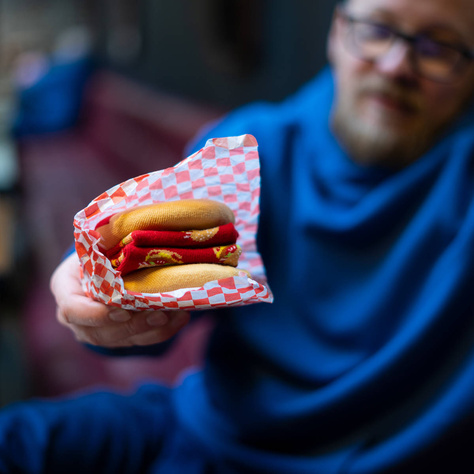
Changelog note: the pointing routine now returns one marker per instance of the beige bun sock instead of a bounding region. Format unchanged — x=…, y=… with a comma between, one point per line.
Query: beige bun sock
x=163, y=279
x=187, y=214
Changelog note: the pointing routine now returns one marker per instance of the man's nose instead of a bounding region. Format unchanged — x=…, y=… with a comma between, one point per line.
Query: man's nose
x=397, y=60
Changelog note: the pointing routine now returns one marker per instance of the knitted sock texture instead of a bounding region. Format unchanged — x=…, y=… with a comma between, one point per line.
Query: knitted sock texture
x=174, y=215
x=215, y=236
x=163, y=279
x=134, y=258
x=142, y=249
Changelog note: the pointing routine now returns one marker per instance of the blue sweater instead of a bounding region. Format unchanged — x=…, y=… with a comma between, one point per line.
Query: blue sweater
x=365, y=360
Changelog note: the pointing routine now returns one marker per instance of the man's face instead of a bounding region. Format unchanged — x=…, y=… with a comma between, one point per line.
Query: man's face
x=384, y=112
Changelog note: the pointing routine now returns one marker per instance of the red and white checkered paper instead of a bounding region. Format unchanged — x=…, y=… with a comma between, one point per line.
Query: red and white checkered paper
x=226, y=170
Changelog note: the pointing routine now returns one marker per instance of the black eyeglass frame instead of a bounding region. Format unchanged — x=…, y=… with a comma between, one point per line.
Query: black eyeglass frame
x=466, y=56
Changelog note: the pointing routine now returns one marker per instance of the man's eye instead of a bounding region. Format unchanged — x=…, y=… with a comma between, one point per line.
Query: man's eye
x=432, y=49
x=374, y=32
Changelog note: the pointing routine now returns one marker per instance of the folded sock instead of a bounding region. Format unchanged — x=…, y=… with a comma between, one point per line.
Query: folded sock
x=216, y=236
x=134, y=258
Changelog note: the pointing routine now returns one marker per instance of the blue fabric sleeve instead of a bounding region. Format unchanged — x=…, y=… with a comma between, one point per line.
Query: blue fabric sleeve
x=103, y=432
x=153, y=350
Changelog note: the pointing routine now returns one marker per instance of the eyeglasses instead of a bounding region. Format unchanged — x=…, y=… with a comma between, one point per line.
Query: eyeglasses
x=430, y=58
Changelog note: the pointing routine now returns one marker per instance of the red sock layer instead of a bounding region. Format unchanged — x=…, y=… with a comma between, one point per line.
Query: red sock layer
x=217, y=236
x=134, y=258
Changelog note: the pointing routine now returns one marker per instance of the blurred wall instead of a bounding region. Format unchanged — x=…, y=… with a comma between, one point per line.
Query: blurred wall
x=226, y=52
x=220, y=52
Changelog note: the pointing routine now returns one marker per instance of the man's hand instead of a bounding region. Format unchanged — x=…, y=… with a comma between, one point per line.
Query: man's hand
x=95, y=323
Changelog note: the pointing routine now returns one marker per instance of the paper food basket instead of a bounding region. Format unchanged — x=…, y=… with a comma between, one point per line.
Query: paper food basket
x=225, y=170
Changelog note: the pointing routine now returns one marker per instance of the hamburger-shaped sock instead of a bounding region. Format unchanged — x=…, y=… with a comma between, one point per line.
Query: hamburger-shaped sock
x=145, y=248
x=202, y=236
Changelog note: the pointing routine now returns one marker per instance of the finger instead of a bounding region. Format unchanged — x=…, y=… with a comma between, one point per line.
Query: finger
x=74, y=306
x=137, y=331
x=109, y=333
x=83, y=311
x=177, y=322
x=66, y=278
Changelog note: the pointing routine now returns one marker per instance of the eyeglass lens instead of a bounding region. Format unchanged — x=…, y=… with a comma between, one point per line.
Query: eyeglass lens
x=430, y=58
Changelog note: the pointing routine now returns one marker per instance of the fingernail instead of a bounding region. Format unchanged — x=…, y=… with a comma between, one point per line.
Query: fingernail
x=119, y=315
x=157, y=319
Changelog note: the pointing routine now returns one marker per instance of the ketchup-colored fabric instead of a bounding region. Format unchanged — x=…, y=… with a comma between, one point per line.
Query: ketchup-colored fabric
x=222, y=235
x=136, y=258
x=146, y=248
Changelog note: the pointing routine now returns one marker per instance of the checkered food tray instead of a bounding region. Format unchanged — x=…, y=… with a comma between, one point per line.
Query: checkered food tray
x=226, y=170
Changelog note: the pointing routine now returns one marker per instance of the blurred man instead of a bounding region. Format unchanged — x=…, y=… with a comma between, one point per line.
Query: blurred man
x=365, y=362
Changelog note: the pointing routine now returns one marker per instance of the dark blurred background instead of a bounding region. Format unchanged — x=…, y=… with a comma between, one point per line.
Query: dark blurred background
x=93, y=92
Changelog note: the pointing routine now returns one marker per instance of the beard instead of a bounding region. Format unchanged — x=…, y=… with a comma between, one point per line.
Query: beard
x=391, y=137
